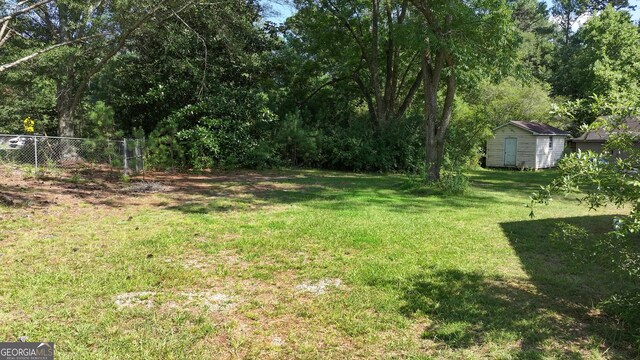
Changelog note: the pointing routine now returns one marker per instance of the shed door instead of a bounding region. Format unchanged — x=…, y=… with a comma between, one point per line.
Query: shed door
x=510, y=150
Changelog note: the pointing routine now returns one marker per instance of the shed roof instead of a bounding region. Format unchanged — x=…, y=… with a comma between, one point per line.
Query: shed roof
x=536, y=128
x=601, y=135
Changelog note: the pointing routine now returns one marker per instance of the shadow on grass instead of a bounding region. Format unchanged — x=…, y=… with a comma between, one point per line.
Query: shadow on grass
x=514, y=180
x=469, y=310
x=330, y=191
x=244, y=190
x=553, y=314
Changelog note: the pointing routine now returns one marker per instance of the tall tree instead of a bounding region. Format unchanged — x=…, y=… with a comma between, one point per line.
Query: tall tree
x=606, y=56
x=365, y=42
x=604, y=66
x=567, y=12
x=539, y=37
x=95, y=31
x=458, y=38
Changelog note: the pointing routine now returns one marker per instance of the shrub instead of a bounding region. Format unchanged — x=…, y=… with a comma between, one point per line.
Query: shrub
x=453, y=182
x=230, y=132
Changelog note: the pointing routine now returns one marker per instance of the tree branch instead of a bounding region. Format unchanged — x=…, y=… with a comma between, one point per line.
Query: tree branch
x=408, y=99
x=40, y=52
x=17, y=13
x=119, y=45
x=363, y=49
x=367, y=96
x=206, y=55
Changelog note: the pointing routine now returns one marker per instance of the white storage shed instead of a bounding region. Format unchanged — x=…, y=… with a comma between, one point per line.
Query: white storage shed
x=524, y=144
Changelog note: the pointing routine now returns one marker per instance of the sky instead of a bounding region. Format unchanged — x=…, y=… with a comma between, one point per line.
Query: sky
x=280, y=11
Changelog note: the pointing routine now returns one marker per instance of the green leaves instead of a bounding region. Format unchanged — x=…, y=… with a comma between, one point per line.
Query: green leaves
x=602, y=58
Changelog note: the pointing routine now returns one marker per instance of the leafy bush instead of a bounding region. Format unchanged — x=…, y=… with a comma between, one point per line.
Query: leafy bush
x=453, y=182
x=297, y=144
x=358, y=146
x=232, y=131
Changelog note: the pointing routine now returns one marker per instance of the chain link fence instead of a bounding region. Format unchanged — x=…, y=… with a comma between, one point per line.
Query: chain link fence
x=62, y=152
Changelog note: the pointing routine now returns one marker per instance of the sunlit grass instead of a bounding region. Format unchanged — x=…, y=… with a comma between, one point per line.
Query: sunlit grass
x=420, y=274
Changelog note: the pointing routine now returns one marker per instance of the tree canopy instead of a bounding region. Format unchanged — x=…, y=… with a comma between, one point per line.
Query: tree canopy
x=367, y=85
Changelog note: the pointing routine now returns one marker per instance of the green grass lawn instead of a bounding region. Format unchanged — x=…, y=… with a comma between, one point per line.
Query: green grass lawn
x=309, y=264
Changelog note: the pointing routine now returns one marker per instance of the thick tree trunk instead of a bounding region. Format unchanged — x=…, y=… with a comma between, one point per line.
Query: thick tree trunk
x=66, y=111
x=436, y=123
x=434, y=152
x=430, y=88
x=68, y=153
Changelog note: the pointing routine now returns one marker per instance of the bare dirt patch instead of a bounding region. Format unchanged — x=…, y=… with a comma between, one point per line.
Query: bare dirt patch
x=208, y=192
x=145, y=187
x=320, y=287
x=203, y=261
x=212, y=301
x=135, y=299
x=186, y=300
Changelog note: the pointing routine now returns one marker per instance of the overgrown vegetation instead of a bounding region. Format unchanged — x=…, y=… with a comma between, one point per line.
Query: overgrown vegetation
x=340, y=85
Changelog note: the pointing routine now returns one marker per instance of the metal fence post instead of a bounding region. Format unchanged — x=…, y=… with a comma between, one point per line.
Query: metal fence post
x=137, y=155
x=143, y=151
x=126, y=166
x=35, y=149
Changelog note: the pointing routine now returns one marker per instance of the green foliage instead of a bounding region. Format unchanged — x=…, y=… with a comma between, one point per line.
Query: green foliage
x=100, y=123
x=609, y=177
x=601, y=59
x=512, y=99
x=466, y=136
x=606, y=60
x=538, y=36
x=25, y=93
x=453, y=182
x=298, y=145
x=216, y=132
x=355, y=145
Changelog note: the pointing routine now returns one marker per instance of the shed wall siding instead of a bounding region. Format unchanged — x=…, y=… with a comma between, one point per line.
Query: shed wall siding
x=526, y=147
x=545, y=157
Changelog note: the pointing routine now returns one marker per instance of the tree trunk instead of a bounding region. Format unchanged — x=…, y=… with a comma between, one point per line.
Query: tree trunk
x=66, y=111
x=436, y=123
x=68, y=153
x=430, y=88
x=434, y=151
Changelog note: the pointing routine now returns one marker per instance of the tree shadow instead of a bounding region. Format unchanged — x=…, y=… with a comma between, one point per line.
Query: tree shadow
x=553, y=313
x=330, y=191
x=469, y=310
x=574, y=258
x=509, y=179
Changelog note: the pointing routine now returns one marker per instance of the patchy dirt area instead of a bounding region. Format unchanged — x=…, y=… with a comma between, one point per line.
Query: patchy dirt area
x=213, y=301
x=95, y=187
x=105, y=188
x=183, y=300
x=134, y=299
x=319, y=287
x=201, y=261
